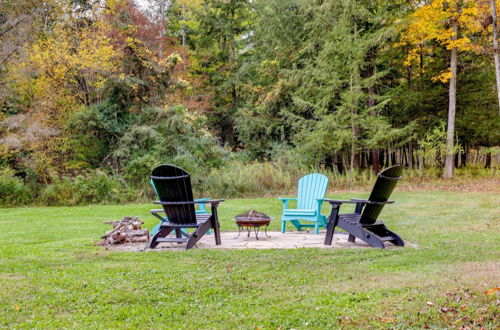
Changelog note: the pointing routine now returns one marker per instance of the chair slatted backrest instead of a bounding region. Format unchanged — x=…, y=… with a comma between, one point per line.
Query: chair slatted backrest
x=311, y=187
x=382, y=190
x=173, y=184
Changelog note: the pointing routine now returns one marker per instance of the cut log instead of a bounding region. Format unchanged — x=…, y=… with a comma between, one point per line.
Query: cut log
x=138, y=232
x=126, y=230
x=141, y=239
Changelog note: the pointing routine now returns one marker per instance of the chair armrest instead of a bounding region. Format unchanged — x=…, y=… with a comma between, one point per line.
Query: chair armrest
x=285, y=200
x=320, y=202
x=210, y=201
x=365, y=201
x=202, y=200
x=339, y=202
x=155, y=213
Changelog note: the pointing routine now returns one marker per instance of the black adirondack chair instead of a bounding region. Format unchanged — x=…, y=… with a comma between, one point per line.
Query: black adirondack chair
x=173, y=186
x=363, y=222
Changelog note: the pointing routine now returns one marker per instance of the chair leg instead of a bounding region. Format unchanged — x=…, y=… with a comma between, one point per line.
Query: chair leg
x=330, y=230
x=217, y=236
x=296, y=224
x=283, y=226
x=178, y=234
x=351, y=238
x=316, y=228
x=155, y=230
x=198, y=234
x=161, y=233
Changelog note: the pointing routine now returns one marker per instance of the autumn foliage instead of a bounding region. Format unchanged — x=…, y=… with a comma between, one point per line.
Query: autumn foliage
x=95, y=89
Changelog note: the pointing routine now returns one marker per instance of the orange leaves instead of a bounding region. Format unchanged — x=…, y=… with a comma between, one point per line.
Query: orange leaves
x=491, y=291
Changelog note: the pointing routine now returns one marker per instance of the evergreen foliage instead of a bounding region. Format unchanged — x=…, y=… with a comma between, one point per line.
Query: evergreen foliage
x=112, y=88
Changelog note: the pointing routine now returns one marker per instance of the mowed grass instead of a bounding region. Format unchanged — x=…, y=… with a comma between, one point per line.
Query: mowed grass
x=51, y=275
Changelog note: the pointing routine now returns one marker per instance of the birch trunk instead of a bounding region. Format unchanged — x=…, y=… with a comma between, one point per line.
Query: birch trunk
x=452, y=107
x=496, y=56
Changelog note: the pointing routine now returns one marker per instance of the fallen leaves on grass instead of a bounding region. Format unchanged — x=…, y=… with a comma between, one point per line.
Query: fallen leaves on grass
x=491, y=291
x=462, y=319
x=387, y=319
x=345, y=320
x=447, y=309
x=430, y=303
x=17, y=307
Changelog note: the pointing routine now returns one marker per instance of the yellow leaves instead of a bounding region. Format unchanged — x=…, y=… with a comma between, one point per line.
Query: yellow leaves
x=413, y=57
x=463, y=44
x=171, y=60
x=131, y=42
x=182, y=83
x=63, y=57
x=111, y=5
x=433, y=22
x=443, y=76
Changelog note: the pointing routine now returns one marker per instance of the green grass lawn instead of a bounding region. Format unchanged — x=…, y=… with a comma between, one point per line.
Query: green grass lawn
x=51, y=275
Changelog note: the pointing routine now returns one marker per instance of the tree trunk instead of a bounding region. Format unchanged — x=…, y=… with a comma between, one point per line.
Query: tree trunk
x=354, y=153
x=496, y=56
x=452, y=107
x=371, y=103
x=464, y=156
x=459, y=158
x=183, y=31
x=162, y=29
x=389, y=156
x=375, y=161
x=410, y=154
x=420, y=158
x=488, y=160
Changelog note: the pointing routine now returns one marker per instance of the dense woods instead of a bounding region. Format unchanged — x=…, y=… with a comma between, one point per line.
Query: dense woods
x=94, y=93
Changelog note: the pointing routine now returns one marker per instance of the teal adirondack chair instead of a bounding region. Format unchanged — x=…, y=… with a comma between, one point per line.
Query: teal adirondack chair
x=312, y=189
x=200, y=210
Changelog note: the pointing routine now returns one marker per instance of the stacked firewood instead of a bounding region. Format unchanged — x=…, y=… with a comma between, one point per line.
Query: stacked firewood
x=126, y=230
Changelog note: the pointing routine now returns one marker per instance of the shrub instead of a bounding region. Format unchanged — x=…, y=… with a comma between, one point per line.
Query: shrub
x=90, y=188
x=13, y=192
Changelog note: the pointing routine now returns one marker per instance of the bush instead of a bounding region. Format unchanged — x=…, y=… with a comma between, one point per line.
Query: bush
x=256, y=179
x=13, y=192
x=90, y=188
x=238, y=179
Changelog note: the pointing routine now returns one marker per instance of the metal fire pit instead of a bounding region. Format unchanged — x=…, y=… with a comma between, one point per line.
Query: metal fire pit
x=252, y=219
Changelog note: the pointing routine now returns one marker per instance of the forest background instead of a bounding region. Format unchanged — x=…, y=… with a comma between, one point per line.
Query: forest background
x=246, y=95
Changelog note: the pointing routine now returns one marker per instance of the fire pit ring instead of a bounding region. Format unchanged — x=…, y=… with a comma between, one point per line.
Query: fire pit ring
x=252, y=219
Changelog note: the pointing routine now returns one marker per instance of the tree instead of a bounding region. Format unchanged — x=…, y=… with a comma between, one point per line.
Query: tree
x=496, y=50
x=446, y=23
x=222, y=28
